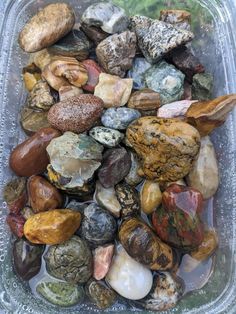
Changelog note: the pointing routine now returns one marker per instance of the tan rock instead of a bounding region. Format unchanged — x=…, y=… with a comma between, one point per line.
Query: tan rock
x=145, y=99
x=69, y=91
x=178, y=18
x=151, y=196
x=113, y=90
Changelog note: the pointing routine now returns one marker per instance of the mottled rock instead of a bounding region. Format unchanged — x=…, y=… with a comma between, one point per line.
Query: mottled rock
x=98, y=225
x=116, y=53
x=16, y=223
x=74, y=44
x=41, y=58
x=75, y=157
x=167, y=147
x=96, y=34
x=40, y=96
x=119, y=118
x=61, y=293
x=133, y=178
x=144, y=246
x=127, y=277
x=46, y=27
x=178, y=221
x=100, y=294
x=140, y=65
x=128, y=198
x=33, y=120
x=175, y=109
x=76, y=114
x=105, y=136
x=186, y=62
x=106, y=197
x=116, y=165
x=113, y=90
x=205, y=174
x=157, y=38
x=94, y=71
x=111, y=18
x=102, y=257
x=202, y=87
x=151, y=196
x=144, y=99
x=166, y=80
x=31, y=75
x=178, y=18
x=69, y=91
x=70, y=261
x=15, y=194
x=205, y=116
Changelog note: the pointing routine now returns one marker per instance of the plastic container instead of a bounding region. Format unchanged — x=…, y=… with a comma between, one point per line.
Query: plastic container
x=214, y=25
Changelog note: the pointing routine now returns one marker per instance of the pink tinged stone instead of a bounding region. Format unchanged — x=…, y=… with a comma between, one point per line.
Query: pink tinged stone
x=102, y=257
x=175, y=109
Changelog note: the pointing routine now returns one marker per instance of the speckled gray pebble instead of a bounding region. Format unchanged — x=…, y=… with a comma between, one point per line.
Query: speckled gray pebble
x=106, y=136
x=119, y=118
x=140, y=65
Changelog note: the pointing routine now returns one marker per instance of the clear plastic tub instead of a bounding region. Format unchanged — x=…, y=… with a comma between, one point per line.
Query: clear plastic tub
x=214, y=24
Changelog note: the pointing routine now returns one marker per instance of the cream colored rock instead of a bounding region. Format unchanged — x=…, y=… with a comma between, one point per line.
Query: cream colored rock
x=205, y=174
x=113, y=90
x=69, y=91
x=41, y=58
x=129, y=278
x=151, y=196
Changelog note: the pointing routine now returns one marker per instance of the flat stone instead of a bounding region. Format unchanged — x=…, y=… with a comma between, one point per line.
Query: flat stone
x=175, y=109
x=166, y=80
x=157, y=38
x=202, y=87
x=140, y=65
x=111, y=18
x=119, y=118
x=106, y=136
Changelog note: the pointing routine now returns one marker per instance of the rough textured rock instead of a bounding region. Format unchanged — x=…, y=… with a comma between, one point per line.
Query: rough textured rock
x=128, y=198
x=116, y=165
x=167, y=147
x=144, y=99
x=15, y=194
x=31, y=75
x=40, y=97
x=116, y=53
x=111, y=18
x=157, y=38
x=166, y=80
x=113, y=90
x=106, y=136
x=76, y=114
x=205, y=174
x=202, y=87
x=119, y=118
x=178, y=18
x=140, y=65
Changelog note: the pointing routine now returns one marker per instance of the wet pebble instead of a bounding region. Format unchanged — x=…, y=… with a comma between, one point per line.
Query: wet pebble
x=33, y=120
x=151, y=196
x=69, y=91
x=31, y=75
x=16, y=223
x=105, y=136
x=133, y=178
x=128, y=198
x=100, y=294
x=102, y=257
x=94, y=71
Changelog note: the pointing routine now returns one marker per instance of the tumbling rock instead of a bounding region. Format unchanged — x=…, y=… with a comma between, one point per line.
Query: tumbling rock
x=129, y=278
x=178, y=222
x=15, y=195
x=202, y=87
x=119, y=118
x=186, y=62
x=175, y=109
x=205, y=174
x=46, y=27
x=113, y=90
x=144, y=246
x=133, y=178
x=105, y=136
x=205, y=116
x=111, y=18
x=16, y=223
x=69, y=91
x=167, y=147
x=156, y=38
x=106, y=197
x=102, y=257
x=140, y=65
x=166, y=80
x=128, y=198
x=178, y=18
x=144, y=99
x=27, y=258
x=98, y=225
x=61, y=293
x=32, y=120
x=70, y=261
x=40, y=96
x=76, y=114
x=100, y=294
x=116, y=53
x=74, y=44
x=96, y=34
x=94, y=71
x=115, y=167
x=151, y=196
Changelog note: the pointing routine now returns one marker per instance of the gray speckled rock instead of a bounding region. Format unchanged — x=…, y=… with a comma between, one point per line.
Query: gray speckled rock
x=140, y=65
x=106, y=136
x=116, y=53
x=156, y=38
x=119, y=118
x=165, y=79
x=133, y=178
x=111, y=18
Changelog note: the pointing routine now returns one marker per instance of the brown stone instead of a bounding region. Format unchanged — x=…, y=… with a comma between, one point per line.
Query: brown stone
x=145, y=99
x=31, y=75
x=151, y=197
x=96, y=34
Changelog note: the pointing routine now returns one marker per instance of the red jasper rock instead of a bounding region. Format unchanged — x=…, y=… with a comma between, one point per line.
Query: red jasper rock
x=16, y=223
x=102, y=257
x=178, y=222
x=94, y=71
